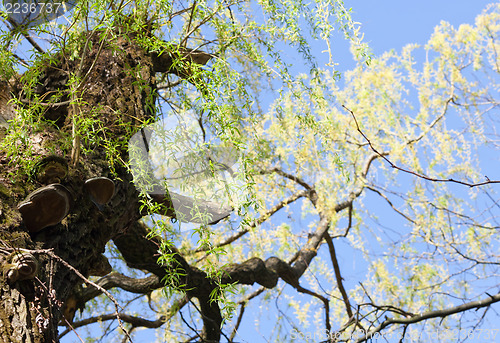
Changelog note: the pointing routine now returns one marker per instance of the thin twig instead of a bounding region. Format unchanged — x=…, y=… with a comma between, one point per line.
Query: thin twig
x=238, y=322
x=258, y=221
x=286, y=175
x=425, y=177
x=50, y=299
x=193, y=8
x=390, y=203
x=431, y=314
x=75, y=152
x=49, y=104
x=325, y=303
x=87, y=281
x=26, y=35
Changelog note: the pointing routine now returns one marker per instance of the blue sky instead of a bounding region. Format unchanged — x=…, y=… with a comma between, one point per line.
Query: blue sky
x=393, y=24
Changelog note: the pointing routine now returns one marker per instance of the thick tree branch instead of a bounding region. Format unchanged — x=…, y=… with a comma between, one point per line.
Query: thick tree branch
x=117, y=280
x=141, y=252
x=309, y=250
x=251, y=271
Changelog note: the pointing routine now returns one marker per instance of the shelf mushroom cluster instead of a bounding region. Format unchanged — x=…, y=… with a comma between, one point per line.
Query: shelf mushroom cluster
x=49, y=205
x=101, y=190
x=46, y=206
x=24, y=266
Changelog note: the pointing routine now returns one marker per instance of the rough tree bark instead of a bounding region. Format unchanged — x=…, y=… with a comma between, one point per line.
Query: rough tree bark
x=118, y=88
x=119, y=85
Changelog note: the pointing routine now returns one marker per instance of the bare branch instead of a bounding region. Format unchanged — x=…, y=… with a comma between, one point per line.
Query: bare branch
x=325, y=304
x=258, y=221
x=338, y=276
x=243, y=303
x=24, y=32
x=390, y=203
x=349, y=224
x=238, y=322
x=87, y=281
x=135, y=321
x=432, y=314
x=431, y=125
x=422, y=176
x=288, y=176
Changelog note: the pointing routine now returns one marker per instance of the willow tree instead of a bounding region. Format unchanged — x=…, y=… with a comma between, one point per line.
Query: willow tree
x=85, y=165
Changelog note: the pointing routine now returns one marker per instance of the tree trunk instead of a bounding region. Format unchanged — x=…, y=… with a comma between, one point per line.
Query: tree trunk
x=116, y=95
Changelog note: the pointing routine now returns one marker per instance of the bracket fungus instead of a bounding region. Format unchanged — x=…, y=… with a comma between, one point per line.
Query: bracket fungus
x=101, y=190
x=51, y=169
x=23, y=266
x=46, y=206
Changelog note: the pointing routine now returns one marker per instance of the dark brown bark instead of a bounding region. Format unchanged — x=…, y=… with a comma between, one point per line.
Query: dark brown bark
x=121, y=99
